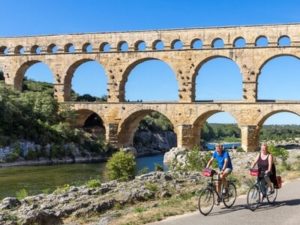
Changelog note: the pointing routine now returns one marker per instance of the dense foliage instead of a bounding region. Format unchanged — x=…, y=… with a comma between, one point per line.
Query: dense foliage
x=33, y=115
x=121, y=166
x=280, y=132
x=155, y=122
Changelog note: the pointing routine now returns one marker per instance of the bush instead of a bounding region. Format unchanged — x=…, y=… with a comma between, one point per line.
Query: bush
x=282, y=153
x=158, y=167
x=195, y=161
x=21, y=194
x=121, y=166
x=93, y=183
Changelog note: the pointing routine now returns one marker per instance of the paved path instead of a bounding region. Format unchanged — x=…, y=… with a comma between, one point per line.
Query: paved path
x=286, y=211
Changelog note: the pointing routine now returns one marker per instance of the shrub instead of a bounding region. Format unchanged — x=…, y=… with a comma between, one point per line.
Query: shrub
x=62, y=189
x=282, y=153
x=121, y=166
x=93, y=183
x=158, y=167
x=21, y=194
x=151, y=187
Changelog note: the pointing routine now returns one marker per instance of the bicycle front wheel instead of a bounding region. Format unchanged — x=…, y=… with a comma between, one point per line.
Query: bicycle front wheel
x=206, y=201
x=253, y=197
x=230, y=196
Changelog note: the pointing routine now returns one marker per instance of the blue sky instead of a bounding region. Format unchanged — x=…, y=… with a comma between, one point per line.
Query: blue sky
x=279, y=79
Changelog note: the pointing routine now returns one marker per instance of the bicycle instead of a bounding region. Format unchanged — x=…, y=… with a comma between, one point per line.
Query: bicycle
x=207, y=195
x=258, y=192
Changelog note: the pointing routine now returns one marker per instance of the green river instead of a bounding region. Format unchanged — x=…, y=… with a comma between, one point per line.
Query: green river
x=39, y=179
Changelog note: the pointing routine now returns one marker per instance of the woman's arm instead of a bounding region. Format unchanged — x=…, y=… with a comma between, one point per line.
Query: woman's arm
x=270, y=160
x=255, y=161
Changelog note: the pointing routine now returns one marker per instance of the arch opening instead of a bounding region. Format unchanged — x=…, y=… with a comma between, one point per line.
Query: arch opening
x=177, y=44
x=123, y=46
x=52, y=48
x=148, y=131
x=262, y=41
x=105, y=47
x=217, y=127
x=196, y=44
x=239, y=43
x=88, y=81
x=143, y=79
x=158, y=45
x=140, y=46
x=91, y=123
x=69, y=48
x=284, y=41
x=279, y=79
x=35, y=76
x=218, y=78
x=217, y=43
x=280, y=128
x=3, y=50
x=87, y=47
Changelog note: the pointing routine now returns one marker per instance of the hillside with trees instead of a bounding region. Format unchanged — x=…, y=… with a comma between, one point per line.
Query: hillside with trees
x=33, y=118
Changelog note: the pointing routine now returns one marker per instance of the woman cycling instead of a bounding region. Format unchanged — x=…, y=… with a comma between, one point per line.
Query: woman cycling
x=264, y=163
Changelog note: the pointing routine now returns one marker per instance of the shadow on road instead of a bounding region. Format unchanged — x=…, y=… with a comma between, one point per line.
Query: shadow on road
x=263, y=207
x=224, y=210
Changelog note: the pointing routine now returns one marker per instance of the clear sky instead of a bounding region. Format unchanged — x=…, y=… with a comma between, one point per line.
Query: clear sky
x=280, y=78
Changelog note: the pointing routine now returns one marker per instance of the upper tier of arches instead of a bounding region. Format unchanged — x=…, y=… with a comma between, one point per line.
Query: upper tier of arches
x=160, y=40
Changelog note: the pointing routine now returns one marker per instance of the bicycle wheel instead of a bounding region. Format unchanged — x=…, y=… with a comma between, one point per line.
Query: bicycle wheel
x=229, y=197
x=253, y=197
x=206, y=201
x=272, y=197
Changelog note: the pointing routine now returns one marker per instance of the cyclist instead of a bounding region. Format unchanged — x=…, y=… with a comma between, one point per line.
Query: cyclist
x=224, y=165
x=264, y=163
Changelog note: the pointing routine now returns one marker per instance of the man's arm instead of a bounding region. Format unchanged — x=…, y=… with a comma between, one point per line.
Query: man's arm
x=209, y=162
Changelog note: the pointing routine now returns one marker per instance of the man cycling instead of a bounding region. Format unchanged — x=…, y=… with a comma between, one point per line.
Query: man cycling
x=224, y=165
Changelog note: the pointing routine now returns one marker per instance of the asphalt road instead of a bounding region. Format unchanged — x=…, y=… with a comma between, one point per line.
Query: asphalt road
x=286, y=211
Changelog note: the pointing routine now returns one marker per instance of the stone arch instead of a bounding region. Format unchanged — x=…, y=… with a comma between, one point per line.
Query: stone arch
x=35, y=49
x=217, y=43
x=266, y=60
x=70, y=72
x=204, y=61
x=18, y=80
x=105, y=47
x=69, y=48
x=202, y=118
x=239, y=42
x=3, y=50
x=131, y=66
x=122, y=46
x=262, y=38
x=19, y=50
x=52, y=48
x=261, y=119
x=259, y=78
x=87, y=47
x=284, y=38
x=156, y=45
x=176, y=44
x=140, y=45
x=196, y=43
x=130, y=123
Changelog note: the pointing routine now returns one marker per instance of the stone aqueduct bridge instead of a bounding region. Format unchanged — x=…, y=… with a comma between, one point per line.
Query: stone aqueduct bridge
x=121, y=118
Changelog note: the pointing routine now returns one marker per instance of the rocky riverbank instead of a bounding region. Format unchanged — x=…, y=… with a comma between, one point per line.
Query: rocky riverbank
x=114, y=202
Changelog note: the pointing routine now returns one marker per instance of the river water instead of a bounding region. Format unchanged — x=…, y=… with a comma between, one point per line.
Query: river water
x=38, y=179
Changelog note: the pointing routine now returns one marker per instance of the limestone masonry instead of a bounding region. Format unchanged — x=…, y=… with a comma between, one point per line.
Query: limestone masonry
x=120, y=52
